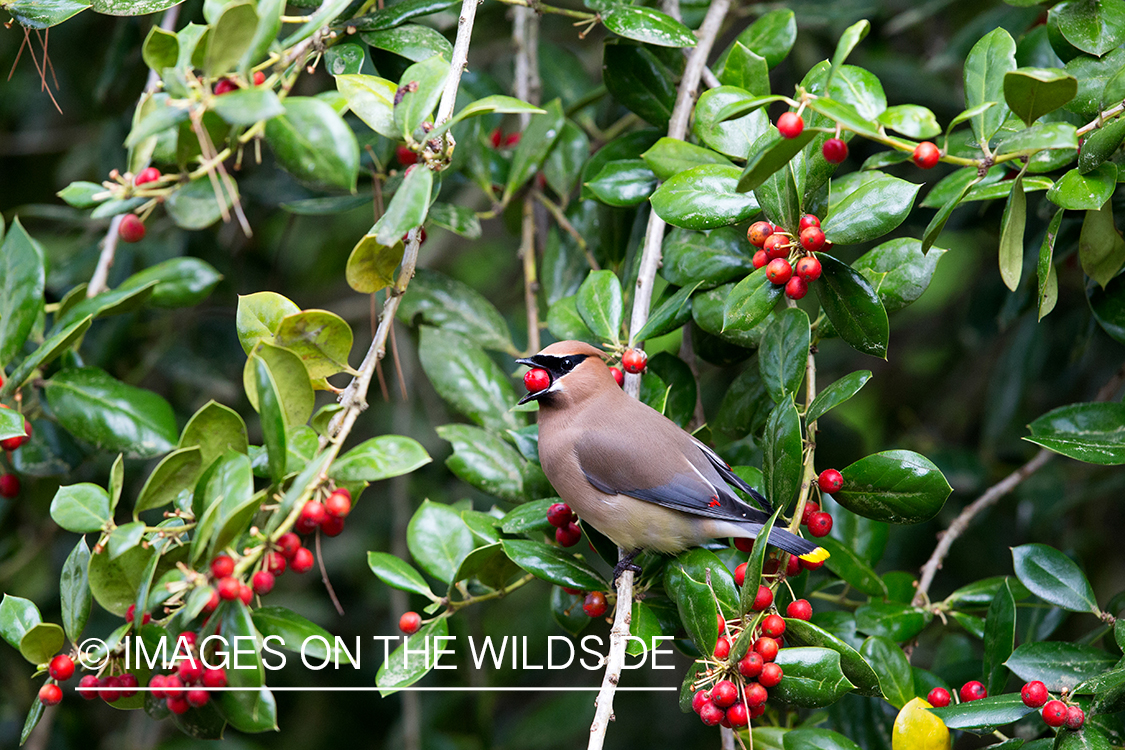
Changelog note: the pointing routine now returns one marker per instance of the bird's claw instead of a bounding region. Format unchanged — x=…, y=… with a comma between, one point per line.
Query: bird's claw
x=625, y=563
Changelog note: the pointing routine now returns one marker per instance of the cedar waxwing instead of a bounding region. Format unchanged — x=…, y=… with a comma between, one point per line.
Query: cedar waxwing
x=631, y=472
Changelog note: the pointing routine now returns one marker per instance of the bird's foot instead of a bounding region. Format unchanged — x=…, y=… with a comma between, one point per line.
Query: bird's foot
x=626, y=563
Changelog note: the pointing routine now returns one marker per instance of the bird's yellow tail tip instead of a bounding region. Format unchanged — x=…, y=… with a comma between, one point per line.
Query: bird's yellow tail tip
x=817, y=555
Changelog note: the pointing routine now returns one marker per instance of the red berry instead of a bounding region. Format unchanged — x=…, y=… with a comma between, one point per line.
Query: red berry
x=771, y=567
x=189, y=671
x=724, y=694
x=197, y=698
x=830, y=481
x=1055, y=713
x=760, y=259
x=187, y=637
x=130, y=613
x=793, y=566
x=87, y=687
x=743, y=544
x=740, y=575
x=939, y=697
x=778, y=271
x=618, y=376
x=536, y=380
x=722, y=647
x=808, y=268
x=820, y=524
x=332, y=526
x=810, y=507
x=148, y=174
x=212, y=603
x=9, y=485
x=245, y=593
x=228, y=588
x=750, y=666
x=214, y=678
x=312, y=515
x=410, y=622
x=767, y=648
x=496, y=138
x=771, y=675
x=173, y=687
x=222, y=566
x=108, y=692
x=700, y=699
x=809, y=565
x=808, y=220
x=790, y=125
x=926, y=155
x=799, y=609
x=128, y=680
x=773, y=626
x=721, y=622
x=338, y=504
x=225, y=86
x=973, y=691
x=275, y=563
x=758, y=232
x=568, y=535
x=302, y=561
x=178, y=706
x=1075, y=718
x=156, y=685
x=634, y=361
x=131, y=229
x=1034, y=694
x=50, y=694
x=288, y=544
x=737, y=716
x=812, y=238
x=559, y=515
x=763, y=599
x=405, y=156
x=595, y=604
x=777, y=246
x=834, y=150
x=796, y=288
x=756, y=695
x=262, y=582
x=512, y=139
x=712, y=715
x=259, y=78
x=61, y=668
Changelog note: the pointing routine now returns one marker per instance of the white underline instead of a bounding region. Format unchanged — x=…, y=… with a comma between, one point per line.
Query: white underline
x=365, y=688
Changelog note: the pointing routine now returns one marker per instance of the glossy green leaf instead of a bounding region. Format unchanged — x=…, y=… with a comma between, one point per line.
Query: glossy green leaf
x=845, y=563
x=175, y=473
x=703, y=197
x=197, y=205
x=600, y=304
x=771, y=36
x=853, y=306
x=486, y=462
x=937, y=223
x=528, y=518
x=872, y=210
x=454, y=306
x=1033, y=92
x=853, y=665
x=272, y=417
x=314, y=144
x=629, y=146
x=1094, y=433
x=246, y=710
x=898, y=271
x=116, y=302
x=988, y=61
x=770, y=153
x=895, y=678
x=229, y=38
x=414, y=658
x=412, y=41
x=537, y=139
x=41, y=642
x=74, y=591
x=1088, y=192
x=1108, y=306
x=750, y=302
x=553, y=565
x=17, y=617
x=248, y=106
x=379, y=458
x=894, y=486
x=419, y=89
x=124, y=538
x=290, y=378
x=400, y=13
x=53, y=347
x=180, y=282
x=813, y=678
x=670, y=156
x=1011, y=235
x=670, y=315
x=836, y=394
x=999, y=639
x=297, y=635
x=705, y=258
x=715, y=124
x=457, y=219
x=985, y=714
x=647, y=25
x=640, y=79
x=215, y=429
x=781, y=448
x=1100, y=145
x=42, y=14
x=812, y=739
x=1060, y=665
x=320, y=338
x=397, y=573
x=893, y=620
x=623, y=183
x=1053, y=577
x=852, y=36
x=438, y=539
x=371, y=99
x=1100, y=246
x=911, y=120
x=752, y=574
x=229, y=494
x=468, y=379
x=22, y=278
x=686, y=581
x=407, y=208
x=1093, y=27
x=784, y=352
x=744, y=68
x=12, y=422
x=563, y=164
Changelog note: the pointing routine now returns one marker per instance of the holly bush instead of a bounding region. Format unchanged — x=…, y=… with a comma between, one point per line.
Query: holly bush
x=190, y=280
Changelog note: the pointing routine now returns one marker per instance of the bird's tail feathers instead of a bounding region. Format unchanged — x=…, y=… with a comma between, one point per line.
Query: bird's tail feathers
x=799, y=546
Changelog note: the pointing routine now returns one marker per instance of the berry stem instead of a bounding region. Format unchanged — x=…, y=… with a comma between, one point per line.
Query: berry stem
x=808, y=478
x=453, y=606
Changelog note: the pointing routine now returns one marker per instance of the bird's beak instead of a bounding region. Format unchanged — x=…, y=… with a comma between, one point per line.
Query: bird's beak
x=530, y=362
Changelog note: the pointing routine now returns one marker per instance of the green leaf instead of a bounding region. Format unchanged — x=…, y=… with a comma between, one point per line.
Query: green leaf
x=670, y=315
x=116, y=302
x=349, y=58
x=911, y=120
x=999, y=639
x=397, y=573
x=115, y=584
x=639, y=79
x=716, y=124
x=1053, y=577
x=528, y=518
x=164, y=116
x=537, y=139
x=175, y=473
x=852, y=36
x=371, y=99
x=246, y=710
x=81, y=194
x=248, y=106
x=553, y=565
x=320, y=338
x=705, y=259
x=272, y=417
x=419, y=89
x=400, y=13
x=988, y=62
x=894, y=486
x=984, y=715
x=845, y=563
x=196, y=205
x=563, y=164
x=770, y=153
x=771, y=36
x=468, y=379
x=42, y=642
x=413, y=659
x=937, y=223
x=836, y=394
x=180, y=282
x=1088, y=192
x=454, y=306
x=486, y=462
x=600, y=304
x=458, y=219
x=1100, y=145
x=438, y=539
x=670, y=156
x=124, y=538
x=1108, y=306
x=781, y=454
x=647, y=25
x=1033, y=92
x=853, y=307
x=1045, y=136
x=215, y=429
x=298, y=634
x=314, y=144
x=379, y=458
x=750, y=302
x=496, y=103
x=1094, y=433
x=1093, y=27
x=1060, y=665
x=703, y=197
x=743, y=68
x=895, y=678
x=899, y=271
x=74, y=591
x=81, y=508
x=229, y=495
x=53, y=347
x=229, y=38
x=813, y=678
x=12, y=422
x=42, y=14
x=784, y=353
x=686, y=581
x=407, y=208
x=896, y=621
x=872, y=210
x=853, y=665
x=1100, y=246
x=812, y=739
x=412, y=41
x=752, y=575
x=290, y=379
x=1011, y=235
x=17, y=617
x=22, y=278
x=623, y=183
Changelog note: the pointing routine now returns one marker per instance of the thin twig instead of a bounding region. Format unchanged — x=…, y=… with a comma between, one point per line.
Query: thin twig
x=458, y=64
x=324, y=577
x=563, y=222
x=650, y=260
x=530, y=279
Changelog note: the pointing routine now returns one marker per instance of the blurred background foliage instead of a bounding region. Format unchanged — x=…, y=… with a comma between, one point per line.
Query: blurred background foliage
x=969, y=367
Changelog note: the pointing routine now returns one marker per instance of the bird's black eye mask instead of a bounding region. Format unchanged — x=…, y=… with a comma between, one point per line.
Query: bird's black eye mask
x=556, y=367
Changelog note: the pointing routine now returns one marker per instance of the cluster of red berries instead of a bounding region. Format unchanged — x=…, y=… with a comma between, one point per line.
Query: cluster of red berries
x=327, y=516
x=499, y=140
x=973, y=690
x=789, y=263
x=227, y=85
x=564, y=520
x=1055, y=712
x=739, y=690
x=10, y=483
x=926, y=155
x=185, y=688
